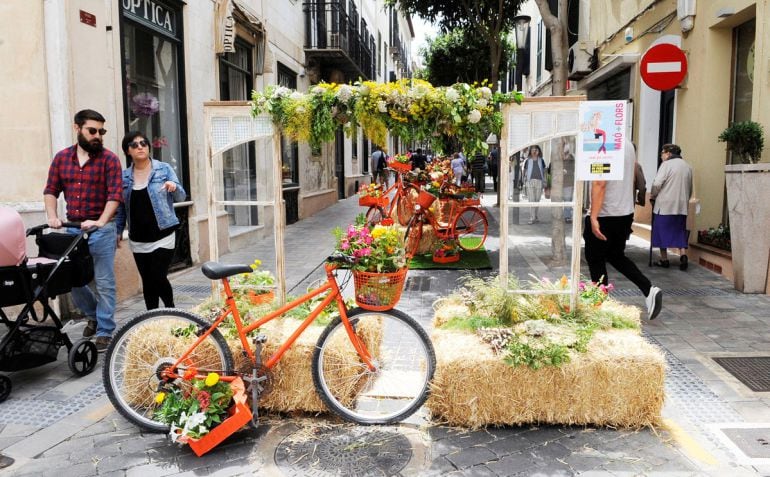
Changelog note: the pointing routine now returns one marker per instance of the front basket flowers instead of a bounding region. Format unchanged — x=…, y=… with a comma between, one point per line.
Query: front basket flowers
x=257, y=286
x=379, y=267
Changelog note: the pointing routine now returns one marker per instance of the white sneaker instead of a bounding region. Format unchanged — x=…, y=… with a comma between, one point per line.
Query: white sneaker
x=654, y=302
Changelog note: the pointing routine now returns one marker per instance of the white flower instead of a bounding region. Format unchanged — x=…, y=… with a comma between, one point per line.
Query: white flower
x=452, y=95
x=474, y=116
x=317, y=90
x=364, y=90
x=382, y=106
x=344, y=93
x=486, y=93
x=482, y=102
x=281, y=91
x=296, y=95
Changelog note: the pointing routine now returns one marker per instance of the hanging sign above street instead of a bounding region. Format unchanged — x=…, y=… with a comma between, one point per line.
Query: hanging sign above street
x=663, y=67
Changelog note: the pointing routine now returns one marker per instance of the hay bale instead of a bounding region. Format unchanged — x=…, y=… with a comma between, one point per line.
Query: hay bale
x=618, y=382
x=428, y=241
x=291, y=382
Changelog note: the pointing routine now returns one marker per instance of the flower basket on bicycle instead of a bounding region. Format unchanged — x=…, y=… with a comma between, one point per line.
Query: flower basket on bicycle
x=369, y=201
x=378, y=291
x=239, y=415
x=401, y=167
x=425, y=199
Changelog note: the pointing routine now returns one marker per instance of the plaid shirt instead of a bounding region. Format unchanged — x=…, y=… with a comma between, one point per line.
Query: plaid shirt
x=86, y=189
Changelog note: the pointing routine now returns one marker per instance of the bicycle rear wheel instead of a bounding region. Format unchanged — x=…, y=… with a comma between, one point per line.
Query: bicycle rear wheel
x=405, y=204
x=471, y=228
x=374, y=215
x=148, y=344
x=413, y=235
x=404, y=364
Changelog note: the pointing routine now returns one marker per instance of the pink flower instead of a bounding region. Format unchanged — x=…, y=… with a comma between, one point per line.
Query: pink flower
x=582, y=286
x=345, y=245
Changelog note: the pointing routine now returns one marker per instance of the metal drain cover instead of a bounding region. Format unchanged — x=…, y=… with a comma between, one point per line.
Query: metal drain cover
x=754, y=442
x=344, y=451
x=753, y=371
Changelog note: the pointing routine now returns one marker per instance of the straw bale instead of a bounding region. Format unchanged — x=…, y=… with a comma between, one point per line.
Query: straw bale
x=618, y=382
x=447, y=308
x=428, y=242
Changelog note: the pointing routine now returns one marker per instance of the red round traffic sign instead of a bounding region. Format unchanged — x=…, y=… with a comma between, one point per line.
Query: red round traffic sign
x=663, y=66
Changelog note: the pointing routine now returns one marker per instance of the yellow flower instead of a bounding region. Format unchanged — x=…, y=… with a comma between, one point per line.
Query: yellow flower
x=212, y=379
x=378, y=231
x=563, y=281
x=160, y=397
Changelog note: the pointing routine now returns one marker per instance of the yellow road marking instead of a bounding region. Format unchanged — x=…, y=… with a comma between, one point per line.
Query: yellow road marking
x=689, y=444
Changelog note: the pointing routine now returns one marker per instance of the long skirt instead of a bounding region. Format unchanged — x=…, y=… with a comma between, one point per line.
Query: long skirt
x=669, y=231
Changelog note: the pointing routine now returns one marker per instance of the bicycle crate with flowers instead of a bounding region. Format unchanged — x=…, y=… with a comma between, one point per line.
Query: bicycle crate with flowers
x=379, y=267
x=256, y=286
x=371, y=195
x=401, y=162
x=202, y=412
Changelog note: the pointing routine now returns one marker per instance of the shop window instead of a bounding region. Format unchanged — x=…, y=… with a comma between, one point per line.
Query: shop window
x=743, y=72
x=152, y=87
x=236, y=73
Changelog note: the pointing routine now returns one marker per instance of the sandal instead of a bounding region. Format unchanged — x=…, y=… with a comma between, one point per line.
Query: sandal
x=683, y=262
x=662, y=263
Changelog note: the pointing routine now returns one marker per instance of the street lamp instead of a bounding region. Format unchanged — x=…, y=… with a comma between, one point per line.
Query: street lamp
x=521, y=24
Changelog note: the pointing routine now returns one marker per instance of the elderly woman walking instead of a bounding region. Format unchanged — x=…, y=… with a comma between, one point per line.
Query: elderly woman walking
x=671, y=192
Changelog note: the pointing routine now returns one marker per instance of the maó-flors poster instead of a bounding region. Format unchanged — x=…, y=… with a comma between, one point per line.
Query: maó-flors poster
x=601, y=140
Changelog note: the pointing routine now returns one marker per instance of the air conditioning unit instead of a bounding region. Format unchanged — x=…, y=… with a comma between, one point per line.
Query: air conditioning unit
x=579, y=62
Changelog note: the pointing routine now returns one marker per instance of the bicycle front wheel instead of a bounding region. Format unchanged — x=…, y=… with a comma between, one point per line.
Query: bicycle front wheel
x=403, y=358
x=374, y=215
x=145, y=347
x=471, y=228
x=405, y=204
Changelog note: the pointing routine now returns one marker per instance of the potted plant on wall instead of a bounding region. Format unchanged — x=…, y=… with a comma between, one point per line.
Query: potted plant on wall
x=748, y=202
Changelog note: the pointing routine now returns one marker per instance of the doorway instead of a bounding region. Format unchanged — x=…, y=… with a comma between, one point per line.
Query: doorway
x=339, y=162
x=666, y=131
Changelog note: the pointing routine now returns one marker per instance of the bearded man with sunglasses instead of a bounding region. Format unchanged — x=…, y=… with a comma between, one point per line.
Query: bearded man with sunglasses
x=89, y=175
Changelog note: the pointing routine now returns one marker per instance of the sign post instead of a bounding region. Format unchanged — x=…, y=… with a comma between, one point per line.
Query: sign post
x=663, y=67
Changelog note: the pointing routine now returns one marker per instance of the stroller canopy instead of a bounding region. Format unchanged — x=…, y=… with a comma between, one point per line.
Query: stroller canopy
x=12, y=238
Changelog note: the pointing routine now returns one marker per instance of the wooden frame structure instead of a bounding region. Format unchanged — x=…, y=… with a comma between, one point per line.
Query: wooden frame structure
x=229, y=124
x=535, y=121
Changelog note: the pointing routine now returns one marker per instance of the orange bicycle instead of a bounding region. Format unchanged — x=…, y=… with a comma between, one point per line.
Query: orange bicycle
x=363, y=376
x=466, y=224
x=402, y=202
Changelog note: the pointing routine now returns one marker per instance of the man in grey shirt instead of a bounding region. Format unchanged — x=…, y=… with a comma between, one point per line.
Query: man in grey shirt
x=607, y=228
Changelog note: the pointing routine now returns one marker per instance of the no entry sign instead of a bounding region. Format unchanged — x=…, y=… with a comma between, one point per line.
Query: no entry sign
x=664, y=66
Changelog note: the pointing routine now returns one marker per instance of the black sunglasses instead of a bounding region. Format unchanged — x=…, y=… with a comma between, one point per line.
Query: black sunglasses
x=135, y=144
x=93, y=131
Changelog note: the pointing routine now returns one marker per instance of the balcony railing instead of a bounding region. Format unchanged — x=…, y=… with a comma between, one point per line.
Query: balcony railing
x=332, y=36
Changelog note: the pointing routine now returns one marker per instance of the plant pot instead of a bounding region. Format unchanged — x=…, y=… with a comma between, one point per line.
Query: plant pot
x=260, y=298
x=748, y=200
x=400, y=166
x=240, y=414
x=446, y=258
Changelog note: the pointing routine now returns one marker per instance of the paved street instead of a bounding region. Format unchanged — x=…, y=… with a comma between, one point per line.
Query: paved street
x=54, y=422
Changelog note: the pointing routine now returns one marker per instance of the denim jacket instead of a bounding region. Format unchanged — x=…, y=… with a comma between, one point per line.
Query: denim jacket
x=161, y=200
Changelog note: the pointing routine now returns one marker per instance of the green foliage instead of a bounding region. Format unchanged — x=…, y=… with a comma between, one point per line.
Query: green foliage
x=488, y=297
x=471, y=323
x=744, y=139
x=460, y=55
x=525, y=353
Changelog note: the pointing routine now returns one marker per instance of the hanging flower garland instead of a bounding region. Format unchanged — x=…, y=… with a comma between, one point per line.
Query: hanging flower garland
x=412, y=110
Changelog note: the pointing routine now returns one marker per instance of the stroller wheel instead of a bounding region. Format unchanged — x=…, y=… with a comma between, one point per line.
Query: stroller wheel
x=5, y=387
x=82, y=357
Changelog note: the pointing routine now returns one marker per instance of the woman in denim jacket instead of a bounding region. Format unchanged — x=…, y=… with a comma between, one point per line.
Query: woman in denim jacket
x=150, y=188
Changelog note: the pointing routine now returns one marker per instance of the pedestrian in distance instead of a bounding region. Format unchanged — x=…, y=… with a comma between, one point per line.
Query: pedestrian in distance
x=477, y=171
x=494, y=165
x=458, y=167
x=150, y=188
x=534, y=177
x=379, y=165
x=607, y=229
x=670, y=194
x=89, y=175
x=419, y=160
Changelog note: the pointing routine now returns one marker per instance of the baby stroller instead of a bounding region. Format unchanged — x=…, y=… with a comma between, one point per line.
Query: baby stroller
x=64, y=263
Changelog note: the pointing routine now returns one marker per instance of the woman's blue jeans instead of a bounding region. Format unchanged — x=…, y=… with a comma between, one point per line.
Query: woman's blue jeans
x=99, y=305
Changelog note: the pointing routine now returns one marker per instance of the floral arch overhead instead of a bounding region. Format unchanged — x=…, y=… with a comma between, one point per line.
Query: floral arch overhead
x=412, y=110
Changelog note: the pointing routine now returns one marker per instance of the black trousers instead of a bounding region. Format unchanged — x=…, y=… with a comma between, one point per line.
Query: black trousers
x=153, y=268
x=478, y=180
x=613, y=251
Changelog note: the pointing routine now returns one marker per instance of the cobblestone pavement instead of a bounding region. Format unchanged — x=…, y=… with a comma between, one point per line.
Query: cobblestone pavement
x=54, y=422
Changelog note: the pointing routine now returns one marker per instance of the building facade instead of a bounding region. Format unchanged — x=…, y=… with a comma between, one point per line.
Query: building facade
x=149, y=65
